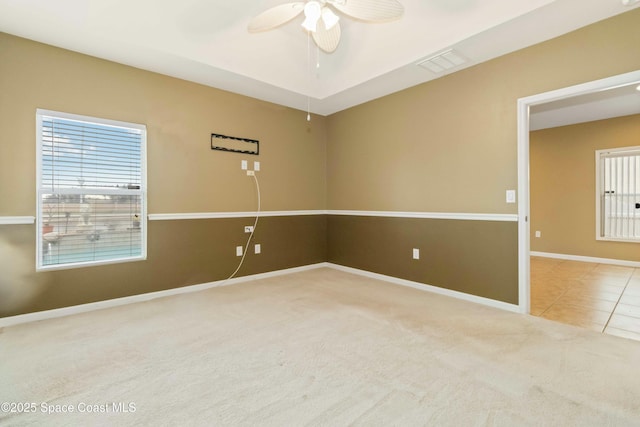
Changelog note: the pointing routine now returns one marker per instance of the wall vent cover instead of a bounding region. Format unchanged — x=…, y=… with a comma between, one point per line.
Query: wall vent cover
x=443, y=61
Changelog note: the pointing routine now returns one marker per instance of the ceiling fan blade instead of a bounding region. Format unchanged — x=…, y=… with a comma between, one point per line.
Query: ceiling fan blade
x=370, y=10
x=327, y=40
x=276, y=16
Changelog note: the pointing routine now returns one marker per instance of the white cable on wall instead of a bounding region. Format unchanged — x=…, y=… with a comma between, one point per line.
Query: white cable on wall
x=255, y=224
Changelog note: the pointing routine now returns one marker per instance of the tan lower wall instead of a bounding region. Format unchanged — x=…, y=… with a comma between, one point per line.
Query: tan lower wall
x=180, y=253
x=475, y=257
x=562, y=182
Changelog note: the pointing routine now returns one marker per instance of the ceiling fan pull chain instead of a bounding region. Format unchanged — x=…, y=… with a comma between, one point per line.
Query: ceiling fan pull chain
x=309, y=75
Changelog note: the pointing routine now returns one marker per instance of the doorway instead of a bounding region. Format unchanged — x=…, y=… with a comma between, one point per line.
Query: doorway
x=524, y=108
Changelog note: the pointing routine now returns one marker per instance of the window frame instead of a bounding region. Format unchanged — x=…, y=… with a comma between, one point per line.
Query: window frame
x=599, y=184
x=40, y=190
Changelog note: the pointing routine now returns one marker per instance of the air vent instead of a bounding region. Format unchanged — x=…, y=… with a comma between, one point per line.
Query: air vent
x=443, y=61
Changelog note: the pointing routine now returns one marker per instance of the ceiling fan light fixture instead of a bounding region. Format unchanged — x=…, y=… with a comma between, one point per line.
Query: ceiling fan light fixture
x=321, y=21
x=312, y=13
x=330, y=19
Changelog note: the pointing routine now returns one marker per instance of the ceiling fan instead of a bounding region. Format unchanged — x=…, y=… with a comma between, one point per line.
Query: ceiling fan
x=321, y=21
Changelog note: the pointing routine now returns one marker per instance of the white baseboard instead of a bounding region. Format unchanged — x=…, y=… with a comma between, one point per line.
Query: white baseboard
x=429, y=288
x=83, y=308
x=581, y=258
x=116, y=302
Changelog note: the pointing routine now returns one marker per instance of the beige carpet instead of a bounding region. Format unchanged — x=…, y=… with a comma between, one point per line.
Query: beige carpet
x=320, y=347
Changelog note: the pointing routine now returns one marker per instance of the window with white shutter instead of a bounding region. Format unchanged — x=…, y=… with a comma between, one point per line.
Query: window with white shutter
x=91, y=191
x=618, y=194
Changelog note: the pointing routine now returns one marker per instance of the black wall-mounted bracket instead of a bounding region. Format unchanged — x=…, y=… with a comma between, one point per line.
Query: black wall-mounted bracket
x=233, y=144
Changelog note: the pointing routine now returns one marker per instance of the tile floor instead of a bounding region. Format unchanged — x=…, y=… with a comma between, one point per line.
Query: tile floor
x=602, y=297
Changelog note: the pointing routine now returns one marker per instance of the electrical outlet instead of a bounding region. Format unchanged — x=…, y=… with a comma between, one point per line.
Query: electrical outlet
x=257, y=249
x=538, y=234
x=243, y=165
x=250, y=173
x=238, y=250
x=256, y=166
x=248, y=228
x=416, y=253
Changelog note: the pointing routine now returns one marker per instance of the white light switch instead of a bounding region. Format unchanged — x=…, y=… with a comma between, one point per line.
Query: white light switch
x=257, y=248
x=538, y=234
x=416, y=253
x=511, y=196
x=243, y=165
x=238, y=250
x=256, y=166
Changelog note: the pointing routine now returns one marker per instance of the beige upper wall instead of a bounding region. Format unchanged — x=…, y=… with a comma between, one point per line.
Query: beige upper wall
x=184, y=174
x=450, y=145
x=447, y=145
x=562, y=176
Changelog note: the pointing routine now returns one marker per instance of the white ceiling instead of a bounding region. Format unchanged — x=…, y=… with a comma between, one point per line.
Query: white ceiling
x=599, y=105
x=207, y=41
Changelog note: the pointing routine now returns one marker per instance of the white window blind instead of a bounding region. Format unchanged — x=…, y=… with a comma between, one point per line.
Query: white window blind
x=618, y=194
x=91, y=191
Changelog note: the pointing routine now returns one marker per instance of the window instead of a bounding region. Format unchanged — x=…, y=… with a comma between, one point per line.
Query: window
x=91, y=191
x=618, y=194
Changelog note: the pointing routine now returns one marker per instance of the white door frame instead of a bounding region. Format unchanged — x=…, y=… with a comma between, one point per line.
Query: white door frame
x=524, y=105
